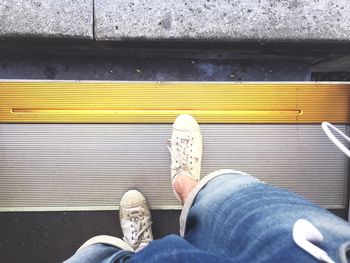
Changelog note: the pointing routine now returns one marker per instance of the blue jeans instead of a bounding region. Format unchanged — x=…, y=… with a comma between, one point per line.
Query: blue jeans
x=236, y=218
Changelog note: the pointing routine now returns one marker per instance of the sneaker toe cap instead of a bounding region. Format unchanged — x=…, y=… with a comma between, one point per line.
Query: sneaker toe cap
x=132, y=198
x=185, y=122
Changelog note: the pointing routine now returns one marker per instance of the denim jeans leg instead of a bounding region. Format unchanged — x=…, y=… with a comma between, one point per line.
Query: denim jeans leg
x=100, y=253
x=239, y=217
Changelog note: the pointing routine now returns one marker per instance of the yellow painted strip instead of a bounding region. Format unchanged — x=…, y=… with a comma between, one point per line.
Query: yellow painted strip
x=147, y=102
x=163, y=113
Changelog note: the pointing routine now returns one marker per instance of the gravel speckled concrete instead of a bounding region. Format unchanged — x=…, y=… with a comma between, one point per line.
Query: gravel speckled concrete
x=255, y=21
x=151, y=69
x=46, y=19
x=223, y=20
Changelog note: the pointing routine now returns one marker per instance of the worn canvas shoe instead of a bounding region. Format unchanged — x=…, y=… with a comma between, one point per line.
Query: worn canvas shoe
x=185, y=148
x=135, y=220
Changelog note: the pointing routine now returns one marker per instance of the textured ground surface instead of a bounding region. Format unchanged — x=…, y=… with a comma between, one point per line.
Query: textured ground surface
x=46, y=19
x=54, y=236
x=255, y=21
x=223, y=20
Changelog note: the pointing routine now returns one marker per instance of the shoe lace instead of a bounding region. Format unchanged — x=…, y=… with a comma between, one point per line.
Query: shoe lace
x=183, y=157
x=139, y=228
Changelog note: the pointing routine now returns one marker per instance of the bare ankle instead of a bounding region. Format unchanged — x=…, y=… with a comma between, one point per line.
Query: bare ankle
x=183, y=185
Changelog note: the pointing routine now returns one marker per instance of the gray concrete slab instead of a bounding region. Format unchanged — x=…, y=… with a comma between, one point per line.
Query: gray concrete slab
x=223, y=20
x=46, y=19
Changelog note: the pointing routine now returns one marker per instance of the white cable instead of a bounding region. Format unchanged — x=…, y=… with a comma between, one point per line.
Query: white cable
x=303, y=234
x=303, y=230
x=326, y=126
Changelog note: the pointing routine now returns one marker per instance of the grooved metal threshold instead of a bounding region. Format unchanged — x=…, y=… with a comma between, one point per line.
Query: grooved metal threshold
x=161, y=102
x=90, y=166
x=81, y=145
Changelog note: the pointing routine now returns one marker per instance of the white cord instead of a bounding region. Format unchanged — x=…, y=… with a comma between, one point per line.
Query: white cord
x=303, y=234
x=326, y=126
x=303, y=231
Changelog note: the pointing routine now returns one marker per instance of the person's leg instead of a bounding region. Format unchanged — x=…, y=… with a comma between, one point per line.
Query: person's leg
x=237, y=216
x=100, y=253
x=173, y=248
x=135, y=221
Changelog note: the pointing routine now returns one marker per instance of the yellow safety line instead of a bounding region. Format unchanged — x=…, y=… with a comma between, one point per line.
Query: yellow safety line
x=154, y=102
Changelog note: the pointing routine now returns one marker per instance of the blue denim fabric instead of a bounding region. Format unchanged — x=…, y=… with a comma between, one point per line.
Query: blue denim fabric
x=100, y=253
x=237, y=218
x=241, y=218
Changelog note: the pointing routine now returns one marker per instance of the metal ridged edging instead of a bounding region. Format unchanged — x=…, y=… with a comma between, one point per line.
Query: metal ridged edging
x=161, y=102
x=89, y=166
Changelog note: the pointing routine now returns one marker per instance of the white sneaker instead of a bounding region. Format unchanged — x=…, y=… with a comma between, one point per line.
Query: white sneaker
x=135, y=220
x=185, y=147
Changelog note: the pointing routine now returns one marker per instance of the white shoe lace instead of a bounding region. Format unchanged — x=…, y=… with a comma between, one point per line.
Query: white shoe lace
x=183, y=155
x=139, y=229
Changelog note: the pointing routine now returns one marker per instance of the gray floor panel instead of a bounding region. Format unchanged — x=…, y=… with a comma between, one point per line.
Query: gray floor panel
x=58, y=167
